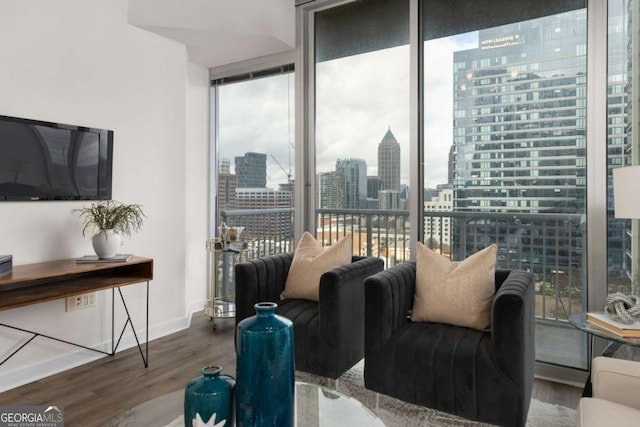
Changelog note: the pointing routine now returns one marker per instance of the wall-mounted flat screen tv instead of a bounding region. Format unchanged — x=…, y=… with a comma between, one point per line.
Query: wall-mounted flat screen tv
x=53, y=161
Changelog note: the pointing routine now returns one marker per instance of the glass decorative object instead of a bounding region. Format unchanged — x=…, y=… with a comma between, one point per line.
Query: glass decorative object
x=224, y=229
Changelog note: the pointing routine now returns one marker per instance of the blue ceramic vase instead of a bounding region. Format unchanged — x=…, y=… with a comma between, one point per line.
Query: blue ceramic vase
x=209, y=396
x=265, y=375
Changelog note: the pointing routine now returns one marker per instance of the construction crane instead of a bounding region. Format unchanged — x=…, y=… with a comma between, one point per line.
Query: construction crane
x=288, y=173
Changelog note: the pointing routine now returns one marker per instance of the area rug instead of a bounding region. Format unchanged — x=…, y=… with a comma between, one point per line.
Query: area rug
x=396, y=413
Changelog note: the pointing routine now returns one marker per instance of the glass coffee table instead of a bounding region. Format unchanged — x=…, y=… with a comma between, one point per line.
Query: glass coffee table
x=316, y=406
x=617, y=344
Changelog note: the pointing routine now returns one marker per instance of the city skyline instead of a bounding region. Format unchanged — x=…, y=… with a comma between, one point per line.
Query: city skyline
x=346, y=187
x=258, y=116
x=516, y=133
x=505, y=113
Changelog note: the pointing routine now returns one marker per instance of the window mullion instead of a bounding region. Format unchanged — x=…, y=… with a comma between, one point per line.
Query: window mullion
x=597, y=19
x=416, y=125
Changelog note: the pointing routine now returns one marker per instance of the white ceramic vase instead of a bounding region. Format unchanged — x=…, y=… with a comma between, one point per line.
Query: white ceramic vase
x=106, y=243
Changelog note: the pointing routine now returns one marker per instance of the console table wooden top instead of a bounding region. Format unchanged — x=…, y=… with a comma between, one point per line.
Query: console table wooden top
x=47, y=281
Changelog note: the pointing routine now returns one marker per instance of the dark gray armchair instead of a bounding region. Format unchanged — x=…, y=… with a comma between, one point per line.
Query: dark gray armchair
x=480, y=375
x=328, y=335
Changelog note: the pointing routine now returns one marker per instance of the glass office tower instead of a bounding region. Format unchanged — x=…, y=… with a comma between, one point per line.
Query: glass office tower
x=519, y=118
x=520, y=134
x=389, y=162
x=251, y=170
x=519, y=139
x=351, y=183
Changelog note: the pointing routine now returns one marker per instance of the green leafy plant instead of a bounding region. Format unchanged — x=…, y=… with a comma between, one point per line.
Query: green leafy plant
x=111, y=215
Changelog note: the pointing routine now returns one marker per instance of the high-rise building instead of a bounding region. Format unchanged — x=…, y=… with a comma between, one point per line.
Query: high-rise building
x=519, y=135
x=373, y=204
x=265, y=226
x=226, y=191
x=450, y=165
x=351, y=183
x=430, y=193
x=404, y=191
x=624, y=140
x=251, y=170
x=262, y=198
x=373, y=187
x=329, y=197
x=520, y=108
x=224, y=165
x=389, y=162
x=226, y=196
x=289, y=186
x=389, y=200
x=437, y=228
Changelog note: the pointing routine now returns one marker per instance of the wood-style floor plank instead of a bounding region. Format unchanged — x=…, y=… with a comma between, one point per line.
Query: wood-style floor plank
x=94, y=393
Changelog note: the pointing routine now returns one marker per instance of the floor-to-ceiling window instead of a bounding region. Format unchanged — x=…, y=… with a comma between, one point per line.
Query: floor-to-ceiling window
x=362, y=127
x=505, y=149
x=255, y=190
x=622, y=138
x=510, y=151
x=252, y=169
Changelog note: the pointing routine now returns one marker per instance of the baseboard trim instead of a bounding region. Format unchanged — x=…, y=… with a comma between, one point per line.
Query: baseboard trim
x=561, y=374
x=80, y=357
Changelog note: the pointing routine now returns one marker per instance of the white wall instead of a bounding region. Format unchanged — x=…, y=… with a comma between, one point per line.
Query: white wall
x=197, y=187
x=79, y=62
x=220, y=32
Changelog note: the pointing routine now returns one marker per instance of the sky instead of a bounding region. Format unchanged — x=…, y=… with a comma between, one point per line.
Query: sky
x=358, y=98
x=258, y=116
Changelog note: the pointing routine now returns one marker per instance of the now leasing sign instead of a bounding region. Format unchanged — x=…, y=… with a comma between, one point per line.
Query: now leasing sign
x=32, y=416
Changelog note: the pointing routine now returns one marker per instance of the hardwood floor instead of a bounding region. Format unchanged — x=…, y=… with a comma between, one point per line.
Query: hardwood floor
x=94, y=393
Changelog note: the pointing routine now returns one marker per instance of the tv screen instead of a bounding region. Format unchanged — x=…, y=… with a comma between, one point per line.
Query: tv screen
x=53, y=161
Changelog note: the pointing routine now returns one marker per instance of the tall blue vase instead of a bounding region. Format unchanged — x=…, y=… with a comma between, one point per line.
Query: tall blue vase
x=209, y=396
x=265, y=375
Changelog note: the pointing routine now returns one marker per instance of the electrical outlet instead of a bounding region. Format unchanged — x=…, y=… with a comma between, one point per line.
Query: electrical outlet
x=79, y=302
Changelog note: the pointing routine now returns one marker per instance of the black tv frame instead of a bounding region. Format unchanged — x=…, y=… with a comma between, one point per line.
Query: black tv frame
x=105, y=162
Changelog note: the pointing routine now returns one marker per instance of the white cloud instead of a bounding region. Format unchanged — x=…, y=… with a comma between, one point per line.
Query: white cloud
x=438, y=100
x=357, y=99
x=253, y=117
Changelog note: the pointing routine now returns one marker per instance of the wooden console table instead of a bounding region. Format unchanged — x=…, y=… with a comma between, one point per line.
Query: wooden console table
x=47, y=281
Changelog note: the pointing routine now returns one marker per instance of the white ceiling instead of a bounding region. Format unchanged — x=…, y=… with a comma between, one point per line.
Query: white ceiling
x=220, y=32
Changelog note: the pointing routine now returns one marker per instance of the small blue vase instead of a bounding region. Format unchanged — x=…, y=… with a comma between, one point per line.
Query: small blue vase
x=265, y=375
x=208, y=396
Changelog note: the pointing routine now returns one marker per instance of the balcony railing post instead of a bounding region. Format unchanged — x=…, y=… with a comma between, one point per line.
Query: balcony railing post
x=463, y=240
x=223, y=217
x=369, y=235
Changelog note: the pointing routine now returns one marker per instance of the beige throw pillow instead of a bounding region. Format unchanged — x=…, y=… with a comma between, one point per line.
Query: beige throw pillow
x=457, y=293
x=310, y=261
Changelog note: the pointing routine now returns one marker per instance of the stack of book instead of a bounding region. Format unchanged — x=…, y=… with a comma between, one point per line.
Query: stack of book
x=603, y=321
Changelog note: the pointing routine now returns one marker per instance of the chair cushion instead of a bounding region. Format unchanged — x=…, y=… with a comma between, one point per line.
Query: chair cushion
x=599, y=412
x=311, y=354
x=448, y=368
x=310, y=262
x=456, y=293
